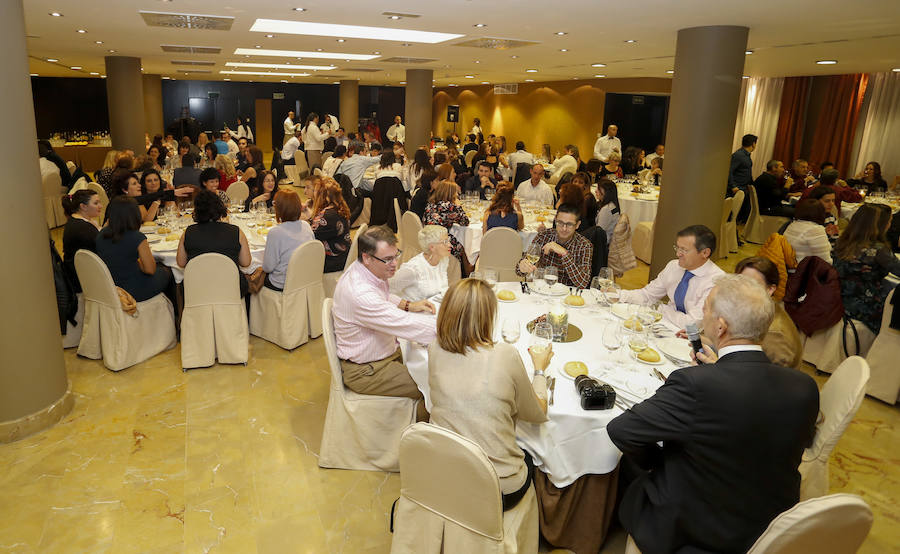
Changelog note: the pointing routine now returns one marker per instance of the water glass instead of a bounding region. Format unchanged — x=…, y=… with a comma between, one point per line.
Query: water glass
x=612, y=292
x=490, y=276
x=510, y=330
x=612, y=337
x=476, y=275
x=551, y=276
x=541, y=337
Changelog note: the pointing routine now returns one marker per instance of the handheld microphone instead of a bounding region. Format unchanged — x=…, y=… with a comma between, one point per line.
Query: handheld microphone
x=693, y=334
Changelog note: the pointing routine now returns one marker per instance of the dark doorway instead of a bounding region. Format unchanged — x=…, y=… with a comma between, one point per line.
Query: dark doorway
x=641, y=118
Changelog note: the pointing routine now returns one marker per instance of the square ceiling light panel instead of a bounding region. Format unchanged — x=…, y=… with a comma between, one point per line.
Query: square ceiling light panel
x=187, y=21
x=279, y=26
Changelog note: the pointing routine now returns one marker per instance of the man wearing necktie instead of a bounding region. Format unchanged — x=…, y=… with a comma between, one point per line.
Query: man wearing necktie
x=686, y=280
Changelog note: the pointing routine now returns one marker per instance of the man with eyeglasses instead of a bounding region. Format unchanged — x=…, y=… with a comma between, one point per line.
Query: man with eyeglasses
x=686, y=280
x=564, y=249
x=368, y=320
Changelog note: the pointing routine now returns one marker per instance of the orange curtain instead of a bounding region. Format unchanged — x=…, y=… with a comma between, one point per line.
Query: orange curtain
x=836, y=124
x=791, y=119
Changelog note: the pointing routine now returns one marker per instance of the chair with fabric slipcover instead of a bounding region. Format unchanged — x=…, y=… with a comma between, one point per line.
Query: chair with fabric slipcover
x=836, y=524
x=454, y=271
x=642, y=241
x=839, y=401
x=72, y=338
x=759, y=226
x=722, y=243
x=329, y=280
x=410, y=225
x=318, y=172
x=51, y=184
x=70, y=165
x=289, y=318
x=325, y=156
x=291, y=173
x=884, y=382
x=384, y=191
x=731, y=226
x=300, y=163
x=501, y=250
x=825, y=349
x=361, y=431
x=523, y=173
x=398, y=212
x=238, y=192
x=108, y=332
x=450, y=499
x=364, y=215
x=470, y=155
x=214, y=320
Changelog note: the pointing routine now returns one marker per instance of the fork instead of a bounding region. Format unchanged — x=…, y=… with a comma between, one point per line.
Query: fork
x=552, y=388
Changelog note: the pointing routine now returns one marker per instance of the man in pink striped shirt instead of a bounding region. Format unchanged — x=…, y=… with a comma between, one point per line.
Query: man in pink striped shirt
x=368, y=319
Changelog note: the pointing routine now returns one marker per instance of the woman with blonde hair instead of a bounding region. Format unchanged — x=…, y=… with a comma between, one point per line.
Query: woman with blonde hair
x=445, y=210
x=103, y=175
x=425, y=274
x=225, y=167
x=480, y=388
x=331, y=223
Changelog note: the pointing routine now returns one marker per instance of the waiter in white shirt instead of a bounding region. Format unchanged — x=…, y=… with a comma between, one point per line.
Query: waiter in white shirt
x=397, y=132
x=289, y=127
x=314, y=141
x=607, y=144
x=686, y=280
x=476, y=128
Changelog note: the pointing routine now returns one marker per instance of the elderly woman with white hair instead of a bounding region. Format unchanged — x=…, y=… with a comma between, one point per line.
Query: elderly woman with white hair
x=425, y=275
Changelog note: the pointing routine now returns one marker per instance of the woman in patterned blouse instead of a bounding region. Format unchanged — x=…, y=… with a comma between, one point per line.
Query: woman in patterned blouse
x=330, y=224
x=444, y=209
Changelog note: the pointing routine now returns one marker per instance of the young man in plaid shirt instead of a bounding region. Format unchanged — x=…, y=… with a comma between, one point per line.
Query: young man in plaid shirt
x=564, y=249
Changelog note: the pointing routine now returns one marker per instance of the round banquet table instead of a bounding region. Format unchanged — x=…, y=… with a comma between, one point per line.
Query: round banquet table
x=848, y=209
x=470, y=235
x=641, y=207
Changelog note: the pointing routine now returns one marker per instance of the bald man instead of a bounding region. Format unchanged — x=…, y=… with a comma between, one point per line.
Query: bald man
x=608, y=144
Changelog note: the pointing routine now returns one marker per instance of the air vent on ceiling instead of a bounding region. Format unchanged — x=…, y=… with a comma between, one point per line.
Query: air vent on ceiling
x=496, y=43
x=408, y=60
x=192, y=62
x=358, y=69
x=190, y=49
x=329, y=76
x=403, y=15
x=187, y=21
x=508, y=88
x=195, y=71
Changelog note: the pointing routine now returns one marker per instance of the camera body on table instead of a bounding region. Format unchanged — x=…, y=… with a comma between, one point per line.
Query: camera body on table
x=594, y=395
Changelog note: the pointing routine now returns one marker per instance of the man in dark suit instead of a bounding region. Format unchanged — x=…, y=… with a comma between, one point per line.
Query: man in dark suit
x=770, y=192
x=733, y=431
x=187, y=174
x=482, y=180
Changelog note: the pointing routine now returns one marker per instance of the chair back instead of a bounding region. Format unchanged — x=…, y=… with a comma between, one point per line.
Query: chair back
x=469, y=156
x=398, y=214
x=839, y=401
x=326, y=155
x=454, y=270
x=884, y=382
x=238, y=191
x=337, y=377
x=305, y=266
x=621, y=253
x=754, y=202
x=736, y=202
x=384, y=191
x=410, y=225
x=300, y=161
x=353, y=253
x=96, y=282
x=523, y=173
x=452, y=477
x=318, y=172
x=104, y=199
x=722, y=243
x=501, y=250
x=837, y=524
x=211, y=279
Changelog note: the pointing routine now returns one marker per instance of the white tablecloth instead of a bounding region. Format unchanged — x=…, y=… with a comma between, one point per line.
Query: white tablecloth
x=642, y=208
x=574, y=442
x=470, y=235
x=848, y=209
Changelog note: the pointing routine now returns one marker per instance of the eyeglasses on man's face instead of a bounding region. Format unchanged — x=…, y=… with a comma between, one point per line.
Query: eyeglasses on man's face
x=390, y=259
x=566, y=224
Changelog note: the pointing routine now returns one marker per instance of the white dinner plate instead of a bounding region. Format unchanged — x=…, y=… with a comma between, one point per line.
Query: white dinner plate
x=166, y=246
x=661, y=361
x=622, y=311
x=558, y=289
x=675, y=348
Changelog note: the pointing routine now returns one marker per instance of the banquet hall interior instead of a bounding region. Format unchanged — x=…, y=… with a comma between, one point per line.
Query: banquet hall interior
x=204, y=418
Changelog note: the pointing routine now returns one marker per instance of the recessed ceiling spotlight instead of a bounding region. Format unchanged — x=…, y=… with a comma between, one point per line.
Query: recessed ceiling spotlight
x=514, y=56
x=670, y=71
x=631, y=41
x=341, y=40
x=598, y=65
x=485, y=82
x=826, y=62
x=227, y=79
x=318, y=49
x=470, y=76
x=452, y=85
x=98, y=42
x=34, y=75
x=52, y=60
x=81, y=31
x=479, y=25
x=284, y=80
x=96, y=73
x=111, y=51
x=529, y=80
x=270, y=36
x=563, y=49
x=377, y=53
x=402, y=82
x=56, y=14
x=258, y=46
x=531, y=71
x=599, y=76
x=748, y=52
x=745, y=77
x=561, y=33
x=896, y=70
x=394, y=17
x=299, y=9
x=75, y=67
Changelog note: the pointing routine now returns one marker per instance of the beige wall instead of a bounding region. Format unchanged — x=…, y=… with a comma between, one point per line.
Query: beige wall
x=556, y=113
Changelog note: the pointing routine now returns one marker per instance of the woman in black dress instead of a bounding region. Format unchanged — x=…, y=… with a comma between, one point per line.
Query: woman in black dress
x=330, y=224
x=212, y=234
x=80, y=232
x=265, y=193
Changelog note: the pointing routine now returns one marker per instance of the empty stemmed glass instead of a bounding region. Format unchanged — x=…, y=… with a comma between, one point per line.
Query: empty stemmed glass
x=490, y=277
x=511, y=329
x=611, y=292
x=612, y=337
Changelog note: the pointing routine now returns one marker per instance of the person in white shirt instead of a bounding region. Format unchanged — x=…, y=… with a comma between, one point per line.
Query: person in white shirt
x=686, y=280
x=389, y=167
x=568, y=162
x=660, y=153
x=607, y=144
x=806, y=233
x=425, y=274
x=519, y=156
x=289, y=127
x=290, y=148
x=331, y=164
x=397, y=131
x=476, y=128
x=243, y=130
x=535, y=189
x=314, y=141
x=232, y=146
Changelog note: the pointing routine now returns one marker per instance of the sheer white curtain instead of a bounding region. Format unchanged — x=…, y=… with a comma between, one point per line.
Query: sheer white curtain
x=881, y=130
x=758, y=115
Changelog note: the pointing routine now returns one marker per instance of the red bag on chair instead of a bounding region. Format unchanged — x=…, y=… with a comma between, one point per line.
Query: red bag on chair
x=813, y=295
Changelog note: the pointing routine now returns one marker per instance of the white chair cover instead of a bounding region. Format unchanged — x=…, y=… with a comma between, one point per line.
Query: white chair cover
x=836, y=524
x=731, y=227
x=104, y=199
x=238, y=191
x=642, y=241
x=884, y=383
x=410, y=225
x=839, y=400
x=398, y=217
x=759, y=226
x=454, y=271
x=450, y=499
x=825, y=348
x=364, y=215
x=71, y=166
x=361, y=431
x=722, y=243
x=108, y=332
x=329, y=280
x=214, y=321
x=73, y=332
x=501, y=250
x=470, y=155
x=80, y=184
x=630, y=547
x=301, y=165
x=51, y=184
x=291, y=317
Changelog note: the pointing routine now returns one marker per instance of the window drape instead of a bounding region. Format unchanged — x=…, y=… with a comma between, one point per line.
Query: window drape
x=758, y=114
x=836, y=124
x=791, y=119
x=881, y=132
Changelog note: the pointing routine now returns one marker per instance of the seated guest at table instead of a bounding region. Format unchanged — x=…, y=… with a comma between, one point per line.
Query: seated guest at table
x=356, y=164
x=419, y=202
x=479, y=388
x=659, y=152
x=202, y=141
x=227, y=173
x=567, y=160
x=656, y=170
x=869, y=178
x=331, y=164
x=388, y=167
x=290, y=233
x=504, y=210
x=807, y=232
x=686, y=280
x=331, y=224
x=609, y=212
x=842, y=192
x=102, y=175
x=420, y=167
x=124, y=163
x=210, y=153
x=209, y=180
x=863, y=258
x=211, y=233
x=482, y=181
x=152, y=189
x=471, y=144
x=240, y=161
x=82, y=209
x=126, y=252
x=632, y=160
x=535, y=189
x=770, y=193
x=572, y=194
x=591, y=206
x=187, y=174
x=265, y=193
x=484, y=151
x=254, y=169
x=826, y=195
x=799, y=178
x=174, y=162
x=425, y=274
x=127, y=184
x=368, y=320
x=157, y=156
x=563, y=248
x=444, y=209
x=456, y=161
x=717, y=481
x=46, y=152
x=612, y=167
x=782, y=341
x=291, y=147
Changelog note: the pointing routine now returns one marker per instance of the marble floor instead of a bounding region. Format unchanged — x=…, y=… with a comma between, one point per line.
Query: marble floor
x=223, y=459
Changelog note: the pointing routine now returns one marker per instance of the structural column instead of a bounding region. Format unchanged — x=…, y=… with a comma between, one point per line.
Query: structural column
x=153, y=108
x=33, y=384
x=418, y=108
x=709, y=63
x=125, y=98
x=349, y=105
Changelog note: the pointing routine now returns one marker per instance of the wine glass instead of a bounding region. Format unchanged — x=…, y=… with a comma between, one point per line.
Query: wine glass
x=612, y=337
x=596, y=287
x=541, y=337
x=476, y=275
x=533, y=254
x=637, y=339
x=539, y=283
x=551, y=276
x=510, y=330
x=612, y=293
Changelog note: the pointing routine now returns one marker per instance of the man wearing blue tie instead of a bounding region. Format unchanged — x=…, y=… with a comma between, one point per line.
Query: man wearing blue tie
x=686, y=280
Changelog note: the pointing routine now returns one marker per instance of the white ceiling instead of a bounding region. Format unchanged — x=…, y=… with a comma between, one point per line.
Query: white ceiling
x=787, y=37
